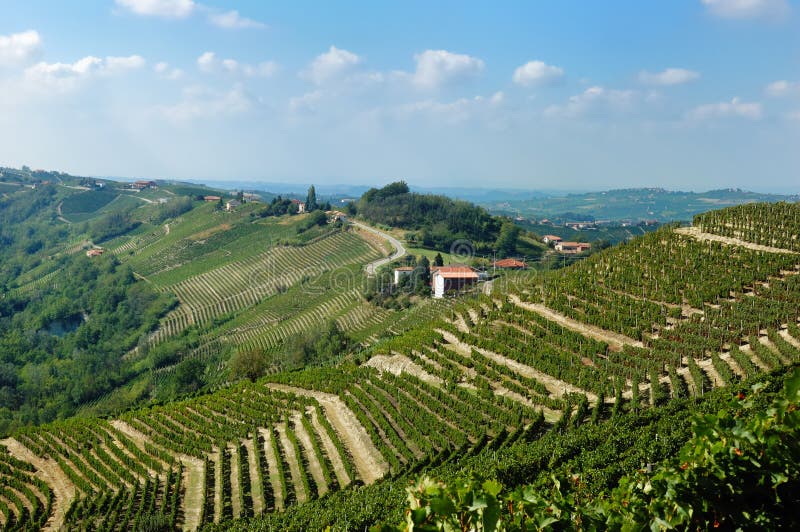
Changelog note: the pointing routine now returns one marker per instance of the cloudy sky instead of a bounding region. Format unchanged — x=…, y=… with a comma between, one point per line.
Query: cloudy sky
x=686, y=94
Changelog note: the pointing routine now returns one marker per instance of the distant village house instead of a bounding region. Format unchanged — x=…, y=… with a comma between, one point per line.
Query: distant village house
x=301, y=207
x=211, y=198
x=551, y=238
x=95, y=252
x=231, y=205
x=142, y=185
x=572, y=248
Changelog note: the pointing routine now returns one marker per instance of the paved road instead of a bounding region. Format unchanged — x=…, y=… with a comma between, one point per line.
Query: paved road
x=399, y=249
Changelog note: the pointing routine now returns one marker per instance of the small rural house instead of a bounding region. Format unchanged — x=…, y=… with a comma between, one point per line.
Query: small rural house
x=231, y=205
x=510, y=264
x=211, y=198
x=449, y=278
x=142, y=185
x=551, y=238
x=301, y=207
x=402, y=271
x=94, y=252
x=572, y=247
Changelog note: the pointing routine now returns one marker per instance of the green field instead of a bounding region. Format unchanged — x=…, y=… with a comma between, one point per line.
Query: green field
x=87, y=202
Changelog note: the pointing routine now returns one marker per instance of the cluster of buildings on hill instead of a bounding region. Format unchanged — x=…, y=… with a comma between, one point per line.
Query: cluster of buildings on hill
x=456, y=277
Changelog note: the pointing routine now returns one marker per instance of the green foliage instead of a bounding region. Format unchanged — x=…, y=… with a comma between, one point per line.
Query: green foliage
x=248, y=364
x=311, y=199
x=506, y=243
x=87, y=202
x=736, y=471
x=440, y=220
x=111, y=225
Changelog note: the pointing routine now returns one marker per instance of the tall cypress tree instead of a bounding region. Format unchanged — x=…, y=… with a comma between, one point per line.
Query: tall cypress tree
x=311, y=199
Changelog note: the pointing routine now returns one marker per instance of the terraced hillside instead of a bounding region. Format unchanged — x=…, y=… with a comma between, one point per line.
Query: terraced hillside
x=669, y=315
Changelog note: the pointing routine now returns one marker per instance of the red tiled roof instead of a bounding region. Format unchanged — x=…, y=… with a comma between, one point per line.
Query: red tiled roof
x=404, y=269
x=509, y=263
x=552, y=237
x=457, y=274
x=576, y=244
x=453, y=268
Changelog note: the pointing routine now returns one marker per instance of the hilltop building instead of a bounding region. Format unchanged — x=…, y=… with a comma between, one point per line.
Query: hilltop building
x=551, y=238
x=143, y=185
x=301, y=207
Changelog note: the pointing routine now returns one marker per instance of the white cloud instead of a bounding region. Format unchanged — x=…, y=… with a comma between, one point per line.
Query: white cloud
x=669, y=76
x=794, y=116
x=497, y=98
x=201, y=102
x=159, y=8
x=747, y=9
x=165, y=71
x=232, y=20
x=594, y=98
x=782, y=88
x=453, y=112
x=209, y=63
x=19, y=48
x=734, y=108
x=331, y=65
x=440, y=67
x=307, y=102
x=120, y=64
x=63, y=77
x=534, y=73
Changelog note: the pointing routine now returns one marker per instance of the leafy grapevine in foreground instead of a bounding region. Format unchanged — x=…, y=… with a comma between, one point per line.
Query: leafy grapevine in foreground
x=737, y=471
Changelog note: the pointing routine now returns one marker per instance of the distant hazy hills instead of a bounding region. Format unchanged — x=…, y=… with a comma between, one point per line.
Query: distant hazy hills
x=629, y=204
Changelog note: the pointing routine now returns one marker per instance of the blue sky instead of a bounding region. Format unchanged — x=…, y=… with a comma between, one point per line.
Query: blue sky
x=685, y=94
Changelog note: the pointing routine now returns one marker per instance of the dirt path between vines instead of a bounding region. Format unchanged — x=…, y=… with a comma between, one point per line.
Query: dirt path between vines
x=47, y=470
x=556, y=387
x=236, y=488
x=272, y=465
x=256, y=494
x=698, y=234
x=314, y=467
x=331, y=451
x=614, y=340
x=397, y=364
x=293, y=461
x=193, y=475
x=368, y=460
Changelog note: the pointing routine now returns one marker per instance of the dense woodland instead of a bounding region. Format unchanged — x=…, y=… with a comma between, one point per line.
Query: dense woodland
x=439, y=222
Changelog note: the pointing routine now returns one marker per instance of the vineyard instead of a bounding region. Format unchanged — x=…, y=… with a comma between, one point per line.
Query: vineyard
x=774, y=225
x=628, y=331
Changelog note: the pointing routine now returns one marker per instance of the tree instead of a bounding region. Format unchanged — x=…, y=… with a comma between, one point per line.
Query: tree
x=506, y=243
x=189, y=375
x=311, y=199
x=438, y=260
x=248, y=364
x=422, y=275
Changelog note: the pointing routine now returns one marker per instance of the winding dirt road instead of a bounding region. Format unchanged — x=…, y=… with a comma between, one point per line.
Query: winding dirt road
x=400, y=250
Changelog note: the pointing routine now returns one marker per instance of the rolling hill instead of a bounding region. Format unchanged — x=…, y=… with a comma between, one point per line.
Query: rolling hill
x=529, y=375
